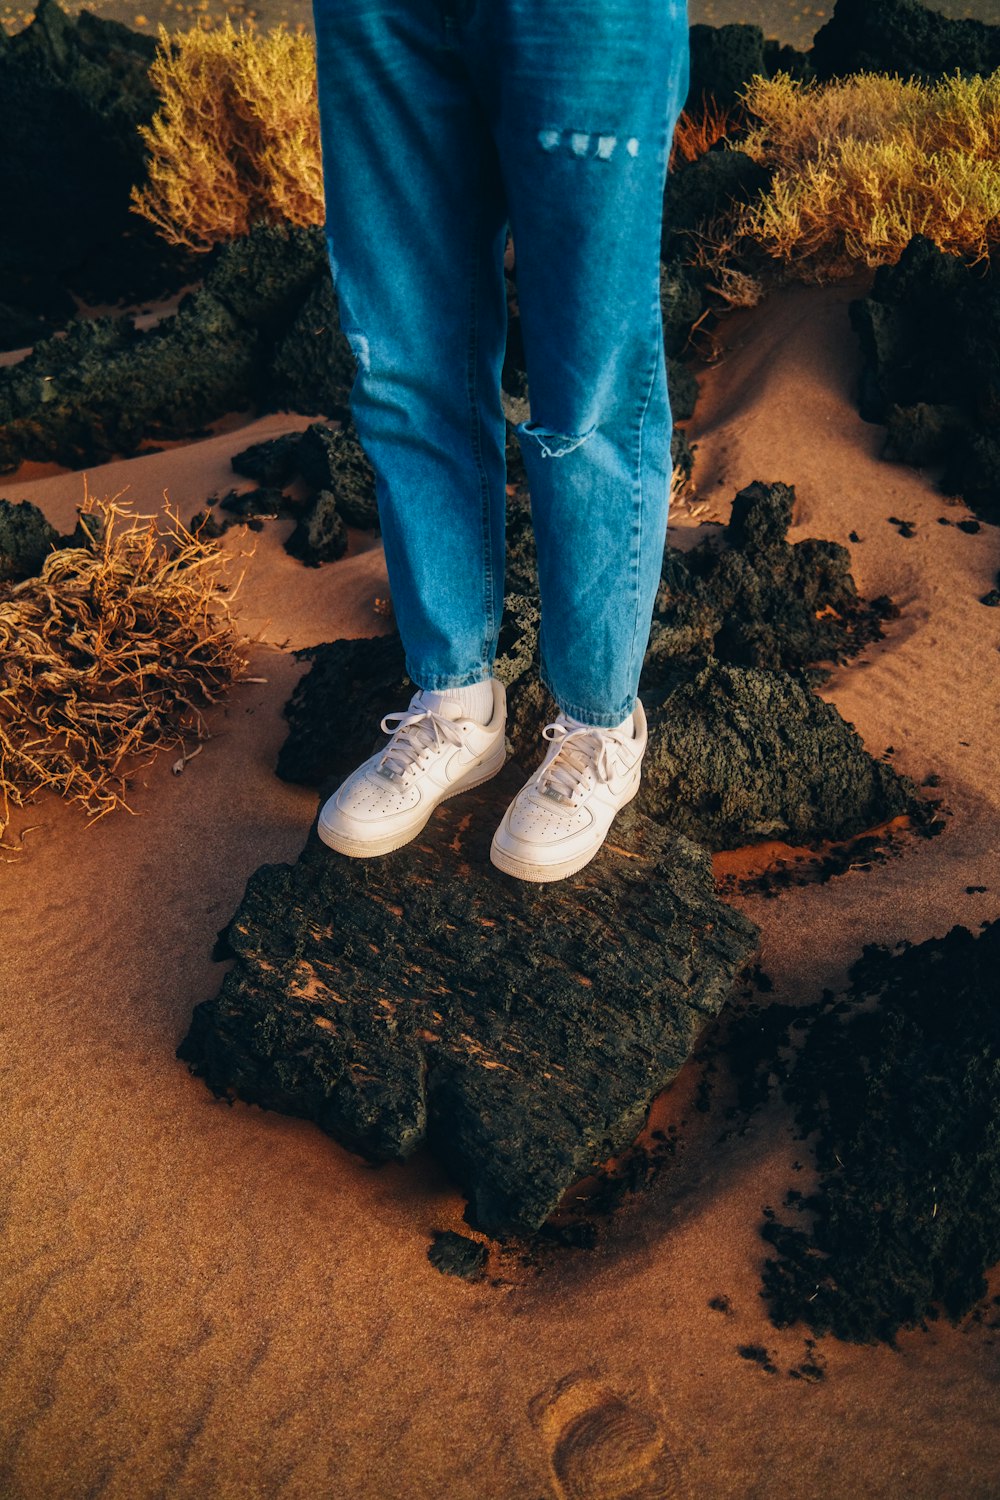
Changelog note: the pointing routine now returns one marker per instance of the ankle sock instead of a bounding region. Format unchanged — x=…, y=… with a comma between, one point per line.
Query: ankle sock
x=475, y=701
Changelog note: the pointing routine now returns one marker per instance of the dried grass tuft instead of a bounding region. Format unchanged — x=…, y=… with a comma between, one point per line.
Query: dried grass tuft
x=699, y=128
x=863, y=163
x=111, y=653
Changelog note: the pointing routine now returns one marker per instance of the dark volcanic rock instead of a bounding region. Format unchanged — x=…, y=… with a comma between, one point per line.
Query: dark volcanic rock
x=313, y=367
x=723, y=59
x=760, y=601
x=273, y=462
x=904, y=1100
x=930, y=342
x=266, y=501
x=320, y=535
x=701, y=189
x=101, y=389
x=73, y=91
x=738, y=755
x=26, y=539
x=521, y=1031
x=683, y=387
x=457, y=1255
x=901, y=36
x=336, y=708
x=333, y=459
x=681, y=302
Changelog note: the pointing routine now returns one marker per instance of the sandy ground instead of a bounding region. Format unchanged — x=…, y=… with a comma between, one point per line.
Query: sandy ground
x=203, y=1300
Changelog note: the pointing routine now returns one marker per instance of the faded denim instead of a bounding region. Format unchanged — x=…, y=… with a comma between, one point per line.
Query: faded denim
x=443, y=121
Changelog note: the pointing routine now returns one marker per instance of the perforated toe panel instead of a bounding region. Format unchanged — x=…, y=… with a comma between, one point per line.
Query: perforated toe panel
x=542, y=820
x=368, y=796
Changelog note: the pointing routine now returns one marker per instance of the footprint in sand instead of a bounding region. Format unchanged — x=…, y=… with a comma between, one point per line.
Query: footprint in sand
x=602, y=1446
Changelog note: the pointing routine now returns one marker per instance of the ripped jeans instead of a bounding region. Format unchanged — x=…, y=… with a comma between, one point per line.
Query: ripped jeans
x=443, y=122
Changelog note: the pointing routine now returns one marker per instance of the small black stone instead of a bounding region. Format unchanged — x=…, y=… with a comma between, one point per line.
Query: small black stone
x=320, y=535
x=26, y=539
x=457, y=1255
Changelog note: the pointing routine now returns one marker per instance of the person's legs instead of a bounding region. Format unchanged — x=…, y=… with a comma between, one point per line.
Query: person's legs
x=416, y=227
x=582, y=99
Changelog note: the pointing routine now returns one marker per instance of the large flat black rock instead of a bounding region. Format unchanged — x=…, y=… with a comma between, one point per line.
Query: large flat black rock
x=519, y=1030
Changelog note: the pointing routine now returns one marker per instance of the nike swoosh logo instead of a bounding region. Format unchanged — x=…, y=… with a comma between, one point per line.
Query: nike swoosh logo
x=623, y=779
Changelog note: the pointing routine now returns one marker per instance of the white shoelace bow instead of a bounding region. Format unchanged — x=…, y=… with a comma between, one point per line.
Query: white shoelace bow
x=571, y=762
x=411, y=737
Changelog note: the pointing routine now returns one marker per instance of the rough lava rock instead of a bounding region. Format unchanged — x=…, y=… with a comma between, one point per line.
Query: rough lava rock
x=320, y=534
x=738, y=755
x=725, y=58
x=26, y=539
x=760, y=601
x=73, y=91
x=333, y=459
x=519, y=1030
x=930, y=342
x=896, y=1084
x=904, y=37
x=101, y=389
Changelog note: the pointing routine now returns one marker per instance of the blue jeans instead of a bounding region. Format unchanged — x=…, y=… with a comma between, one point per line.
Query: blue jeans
x=443, y=121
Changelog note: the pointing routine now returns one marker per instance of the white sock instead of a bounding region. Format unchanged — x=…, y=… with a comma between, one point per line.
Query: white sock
x=475, y=701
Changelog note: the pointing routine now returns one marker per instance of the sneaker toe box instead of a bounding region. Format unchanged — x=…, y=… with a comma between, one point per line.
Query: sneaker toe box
x=535, y=823
x=366, y=800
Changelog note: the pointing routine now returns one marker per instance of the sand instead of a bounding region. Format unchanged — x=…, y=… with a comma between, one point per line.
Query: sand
x=200, y=1299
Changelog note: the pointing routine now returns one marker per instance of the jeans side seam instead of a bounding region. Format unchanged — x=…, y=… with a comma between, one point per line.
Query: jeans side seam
x=637, y=547
x=665, y=135
x=475, y=426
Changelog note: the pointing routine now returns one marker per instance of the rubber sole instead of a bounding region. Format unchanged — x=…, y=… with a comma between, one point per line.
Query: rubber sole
x=537, y=873
x=367, y=849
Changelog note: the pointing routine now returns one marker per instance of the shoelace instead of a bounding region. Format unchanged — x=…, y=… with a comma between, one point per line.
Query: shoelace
x=566, y=770
x=411, y=738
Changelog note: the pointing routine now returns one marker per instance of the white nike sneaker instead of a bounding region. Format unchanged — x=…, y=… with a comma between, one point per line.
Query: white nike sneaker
x=432, y=755
x=560, y=818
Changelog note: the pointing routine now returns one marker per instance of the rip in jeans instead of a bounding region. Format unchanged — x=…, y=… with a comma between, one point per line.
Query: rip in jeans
x=554, y=444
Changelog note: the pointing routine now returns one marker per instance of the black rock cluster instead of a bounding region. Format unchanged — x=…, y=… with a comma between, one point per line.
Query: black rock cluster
x=73, y=92
x=930, y=339
x=331, y=463
x=902, y=1100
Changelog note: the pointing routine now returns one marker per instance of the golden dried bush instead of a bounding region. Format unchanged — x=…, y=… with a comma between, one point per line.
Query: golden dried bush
x=863, y=163
x=112, y=652
x=236, y=139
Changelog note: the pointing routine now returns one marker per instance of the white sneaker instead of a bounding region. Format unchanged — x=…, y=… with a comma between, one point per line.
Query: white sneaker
x=432, y=755
x=560, y=818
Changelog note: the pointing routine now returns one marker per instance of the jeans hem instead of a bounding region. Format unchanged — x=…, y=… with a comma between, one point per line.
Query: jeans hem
x=586, y=715
x=438, y=682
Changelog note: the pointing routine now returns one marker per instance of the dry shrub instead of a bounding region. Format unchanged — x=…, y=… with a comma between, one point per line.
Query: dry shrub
x=111, y=653
x=236, y=139
x=700, y=128
x=865, y=162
